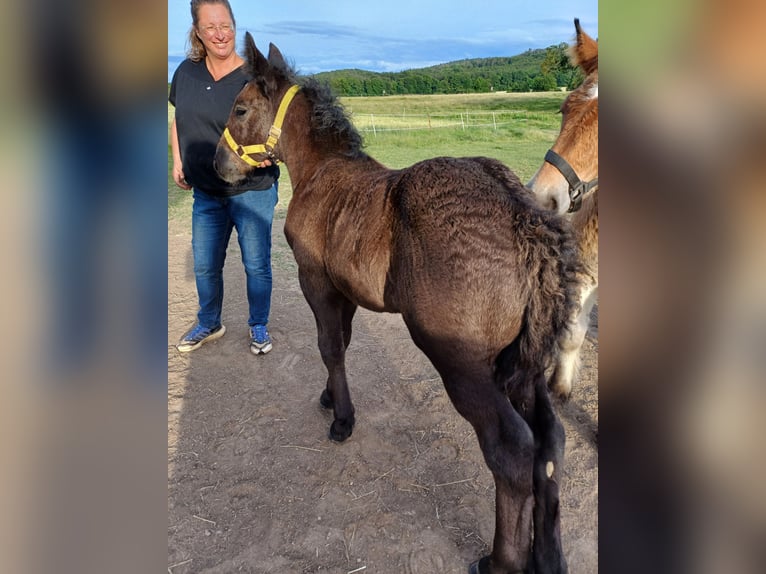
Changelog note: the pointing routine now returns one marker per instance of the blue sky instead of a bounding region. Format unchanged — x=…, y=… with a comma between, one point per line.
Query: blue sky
x=393, y=35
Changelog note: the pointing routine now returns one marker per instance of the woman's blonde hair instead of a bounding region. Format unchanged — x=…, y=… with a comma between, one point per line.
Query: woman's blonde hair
x=196, y=51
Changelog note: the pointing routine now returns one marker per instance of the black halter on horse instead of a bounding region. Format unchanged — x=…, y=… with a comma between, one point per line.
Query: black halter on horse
x=578, y=188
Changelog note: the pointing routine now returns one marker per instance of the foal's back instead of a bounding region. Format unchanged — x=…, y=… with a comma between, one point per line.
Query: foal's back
x=469, y=246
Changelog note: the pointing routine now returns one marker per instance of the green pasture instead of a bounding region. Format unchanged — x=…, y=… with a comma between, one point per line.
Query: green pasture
x=398, y=131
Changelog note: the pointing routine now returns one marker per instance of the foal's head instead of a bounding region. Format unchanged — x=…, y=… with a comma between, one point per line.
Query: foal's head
x=250, y=137
x=577, y=143
x=260, y=112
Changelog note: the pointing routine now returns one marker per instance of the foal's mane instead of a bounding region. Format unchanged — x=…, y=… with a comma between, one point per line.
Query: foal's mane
x=330, y=125
x=329, y=120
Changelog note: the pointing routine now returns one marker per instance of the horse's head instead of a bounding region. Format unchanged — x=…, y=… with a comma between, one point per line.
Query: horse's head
x=254, y=125
x=570, y=169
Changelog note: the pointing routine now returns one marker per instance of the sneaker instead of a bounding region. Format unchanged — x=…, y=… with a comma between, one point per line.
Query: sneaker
x=199, y=335
x=260, y=342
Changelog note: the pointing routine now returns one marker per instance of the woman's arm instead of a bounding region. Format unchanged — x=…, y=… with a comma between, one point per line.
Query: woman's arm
x=178, y=170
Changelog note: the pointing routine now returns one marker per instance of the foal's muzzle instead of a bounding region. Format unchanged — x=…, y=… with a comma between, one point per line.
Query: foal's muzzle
x=578, y=188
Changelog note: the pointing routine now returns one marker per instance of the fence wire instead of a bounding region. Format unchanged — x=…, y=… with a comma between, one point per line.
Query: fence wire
x=374, y=123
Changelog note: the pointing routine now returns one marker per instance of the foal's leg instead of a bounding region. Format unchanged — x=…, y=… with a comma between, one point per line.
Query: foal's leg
x=568, y=361
x=333, y=314
x=549, y=457
x=347, y=315
x=508, y=447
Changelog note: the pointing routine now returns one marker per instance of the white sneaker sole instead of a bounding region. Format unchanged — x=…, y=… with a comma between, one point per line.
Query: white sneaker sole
x=260, y=350
x=189, y=348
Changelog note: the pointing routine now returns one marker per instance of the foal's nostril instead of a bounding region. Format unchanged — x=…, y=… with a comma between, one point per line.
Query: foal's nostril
x=554, y=205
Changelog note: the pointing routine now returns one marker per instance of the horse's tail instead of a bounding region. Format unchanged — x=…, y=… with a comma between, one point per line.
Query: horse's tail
x=548, y=254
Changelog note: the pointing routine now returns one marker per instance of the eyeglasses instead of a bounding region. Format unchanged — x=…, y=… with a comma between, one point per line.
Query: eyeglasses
x=211, y=30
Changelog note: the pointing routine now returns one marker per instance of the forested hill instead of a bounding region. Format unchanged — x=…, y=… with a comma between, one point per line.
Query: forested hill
x=536, y=70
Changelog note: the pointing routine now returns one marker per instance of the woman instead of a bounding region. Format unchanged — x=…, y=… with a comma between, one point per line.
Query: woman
x=203, y=91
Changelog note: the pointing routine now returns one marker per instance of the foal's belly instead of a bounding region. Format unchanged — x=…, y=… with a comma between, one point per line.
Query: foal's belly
x=363, y=285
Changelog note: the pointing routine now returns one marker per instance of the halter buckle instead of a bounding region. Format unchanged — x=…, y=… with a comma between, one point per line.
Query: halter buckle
x=577, y=187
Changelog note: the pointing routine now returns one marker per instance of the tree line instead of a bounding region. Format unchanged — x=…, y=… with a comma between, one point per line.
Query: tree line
x=534, y=70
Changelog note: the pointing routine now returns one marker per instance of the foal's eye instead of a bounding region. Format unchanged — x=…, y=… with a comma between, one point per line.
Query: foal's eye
x=240, y=111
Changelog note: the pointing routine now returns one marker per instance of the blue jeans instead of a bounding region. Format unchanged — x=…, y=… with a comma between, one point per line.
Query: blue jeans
x=213, y=219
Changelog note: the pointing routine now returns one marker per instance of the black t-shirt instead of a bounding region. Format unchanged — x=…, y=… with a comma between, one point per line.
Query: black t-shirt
x=202, y=109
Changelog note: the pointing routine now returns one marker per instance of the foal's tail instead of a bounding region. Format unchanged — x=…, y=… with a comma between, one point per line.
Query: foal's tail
x=548, y=254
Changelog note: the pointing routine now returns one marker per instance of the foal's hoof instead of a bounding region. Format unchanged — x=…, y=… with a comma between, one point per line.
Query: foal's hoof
x=341, y=430
x=560, y=391
x=481, y=566
x=326, y=400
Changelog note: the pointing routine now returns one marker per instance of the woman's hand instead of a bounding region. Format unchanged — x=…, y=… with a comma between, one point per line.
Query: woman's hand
x=178, y=177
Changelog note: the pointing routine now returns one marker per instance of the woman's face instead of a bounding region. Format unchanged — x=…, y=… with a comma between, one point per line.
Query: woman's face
x=216, y=30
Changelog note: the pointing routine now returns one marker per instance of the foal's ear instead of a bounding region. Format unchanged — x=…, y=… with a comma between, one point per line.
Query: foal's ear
x=257, y=66
x=584, y=52
x=275, y=58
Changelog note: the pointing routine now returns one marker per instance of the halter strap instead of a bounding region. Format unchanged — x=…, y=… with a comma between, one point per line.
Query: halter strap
x=244, y=152
x=577, y=187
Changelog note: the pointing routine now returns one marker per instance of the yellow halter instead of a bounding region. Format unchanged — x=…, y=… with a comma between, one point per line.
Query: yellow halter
x=275, y=131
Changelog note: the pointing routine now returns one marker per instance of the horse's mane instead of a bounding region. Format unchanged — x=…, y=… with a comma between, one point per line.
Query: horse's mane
x=330, y=123
x=329, y=119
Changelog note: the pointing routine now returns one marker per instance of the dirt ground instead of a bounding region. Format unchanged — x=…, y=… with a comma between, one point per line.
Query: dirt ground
x=255, y=485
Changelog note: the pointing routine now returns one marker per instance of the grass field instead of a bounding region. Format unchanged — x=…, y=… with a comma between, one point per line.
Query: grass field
x=398, y=131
